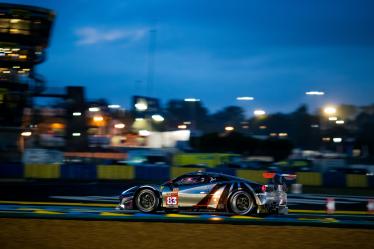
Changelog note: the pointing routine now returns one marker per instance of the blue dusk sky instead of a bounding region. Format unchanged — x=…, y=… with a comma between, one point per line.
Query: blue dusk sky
x=217, y=50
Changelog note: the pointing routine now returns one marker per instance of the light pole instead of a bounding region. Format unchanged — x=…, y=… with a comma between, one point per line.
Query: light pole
x=315, y=101
x=245, y=99
x=315, y=95
x=193, y=111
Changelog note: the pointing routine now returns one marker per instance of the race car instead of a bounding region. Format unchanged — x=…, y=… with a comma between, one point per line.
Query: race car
x=207, y=191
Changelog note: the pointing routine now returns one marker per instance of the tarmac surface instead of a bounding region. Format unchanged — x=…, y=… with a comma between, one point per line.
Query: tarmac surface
x=97, y=201
x=79, y=234
x=100, y=211
x=83, y=215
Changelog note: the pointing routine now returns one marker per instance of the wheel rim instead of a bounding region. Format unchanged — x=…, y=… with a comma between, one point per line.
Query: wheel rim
x=242, y=203
x=146, y=201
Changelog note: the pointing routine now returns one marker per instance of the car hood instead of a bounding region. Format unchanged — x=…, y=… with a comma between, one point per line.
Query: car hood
x=131, y=191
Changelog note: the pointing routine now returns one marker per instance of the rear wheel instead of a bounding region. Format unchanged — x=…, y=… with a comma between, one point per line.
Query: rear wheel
x=147, y=201
x=241, y=203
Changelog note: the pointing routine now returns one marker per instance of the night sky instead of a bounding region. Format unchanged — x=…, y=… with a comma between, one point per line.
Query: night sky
x=215, y=50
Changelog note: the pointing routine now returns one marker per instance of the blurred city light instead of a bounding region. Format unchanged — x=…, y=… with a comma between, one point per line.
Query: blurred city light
x=119, y=126
x=262, y=127
x=339, y=122
x=187, y=122
x=229, y=128
x=94, y=109
x=315, y=93
x=330, y=110
x=337, y=139
x=57, y=126
x=182, y=126
x=314, y=126
x=273, y=134
x=141, y=106
x=139, y=119
x=333, y=118
x=98, y=118
x=283, y=134
x=26, y=133
x=77, y=114
x=191, y=100
x=114, y=106
x=144, y=133
x=326, y=139
x=158, y=118
x=76, y=134
x=245, y=98
x=259, y=112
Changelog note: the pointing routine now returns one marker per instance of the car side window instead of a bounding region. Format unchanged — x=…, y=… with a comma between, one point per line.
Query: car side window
x=190, y=180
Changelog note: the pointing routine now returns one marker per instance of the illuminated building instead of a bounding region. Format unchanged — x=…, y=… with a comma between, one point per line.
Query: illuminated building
x=24, y=36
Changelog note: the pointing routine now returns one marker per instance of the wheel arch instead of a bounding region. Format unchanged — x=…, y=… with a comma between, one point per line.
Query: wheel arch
x=242, y=186
x=157, y=192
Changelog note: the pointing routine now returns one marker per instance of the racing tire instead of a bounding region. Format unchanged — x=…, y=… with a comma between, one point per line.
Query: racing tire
x=241, y=203
x=147, y=201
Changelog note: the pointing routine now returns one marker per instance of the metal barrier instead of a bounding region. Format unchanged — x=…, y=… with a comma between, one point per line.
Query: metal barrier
x=78, y=171
x=162, y=173
x=42, y=171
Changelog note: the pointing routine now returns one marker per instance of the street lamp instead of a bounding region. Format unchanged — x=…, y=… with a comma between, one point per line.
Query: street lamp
x=329, y=110
x=317, y=93
x=98, y=118
x=244, y=98
x=333, y=118
x=94, y=109
x=158, y=118
x=229, y=128
x=114, y=106
x=191, y=100
x=259, y=112
x=26, y=134
x=337, y=139
x=141, y=106
x=119, y=126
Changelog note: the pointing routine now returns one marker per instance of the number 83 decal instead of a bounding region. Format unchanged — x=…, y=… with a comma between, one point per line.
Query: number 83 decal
x=172, y=199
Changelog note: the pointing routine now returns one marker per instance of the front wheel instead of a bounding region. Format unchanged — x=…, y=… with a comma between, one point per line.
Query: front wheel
x=241, y=203
x=147, y=201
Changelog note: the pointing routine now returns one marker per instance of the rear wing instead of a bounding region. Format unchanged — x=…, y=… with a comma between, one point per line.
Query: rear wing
x=278, y=178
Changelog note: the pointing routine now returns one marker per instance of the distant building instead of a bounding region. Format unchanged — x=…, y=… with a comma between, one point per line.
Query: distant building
x=24, y=36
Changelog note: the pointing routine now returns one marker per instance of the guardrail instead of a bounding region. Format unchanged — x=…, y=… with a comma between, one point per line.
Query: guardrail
x=162, y=173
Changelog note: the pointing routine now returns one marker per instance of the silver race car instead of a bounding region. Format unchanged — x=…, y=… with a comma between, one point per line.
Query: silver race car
x=207, y=191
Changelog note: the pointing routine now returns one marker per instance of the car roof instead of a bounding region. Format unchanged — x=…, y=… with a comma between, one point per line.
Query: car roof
x=212, y=174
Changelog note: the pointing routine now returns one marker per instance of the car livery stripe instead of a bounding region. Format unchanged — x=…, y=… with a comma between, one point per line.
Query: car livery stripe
x=235, y=187
x=223, y=199
x=205, y=201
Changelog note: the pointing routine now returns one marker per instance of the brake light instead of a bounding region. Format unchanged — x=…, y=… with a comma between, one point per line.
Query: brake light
x=268, y=175
x=263, y=188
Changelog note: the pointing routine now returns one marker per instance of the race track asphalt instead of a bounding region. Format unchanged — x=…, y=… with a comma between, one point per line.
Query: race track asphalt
x=81, y=234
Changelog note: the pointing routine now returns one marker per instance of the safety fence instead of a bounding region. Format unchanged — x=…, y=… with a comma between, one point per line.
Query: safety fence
x=162, y=173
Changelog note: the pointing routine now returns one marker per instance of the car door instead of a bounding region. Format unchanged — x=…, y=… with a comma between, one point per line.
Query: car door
x=186, y=192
